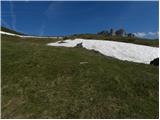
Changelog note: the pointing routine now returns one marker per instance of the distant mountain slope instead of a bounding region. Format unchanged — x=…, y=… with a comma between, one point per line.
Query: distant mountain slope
x=10, y=31
x=7, y=31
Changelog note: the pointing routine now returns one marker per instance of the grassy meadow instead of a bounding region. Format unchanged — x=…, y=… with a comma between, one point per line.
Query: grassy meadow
x=40, y=81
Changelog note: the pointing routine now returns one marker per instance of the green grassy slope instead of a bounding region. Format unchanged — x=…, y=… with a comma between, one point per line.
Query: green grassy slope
x=40, y=81
x=10, y=31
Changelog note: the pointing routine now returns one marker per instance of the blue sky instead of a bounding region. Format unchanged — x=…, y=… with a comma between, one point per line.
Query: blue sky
x=63, y=18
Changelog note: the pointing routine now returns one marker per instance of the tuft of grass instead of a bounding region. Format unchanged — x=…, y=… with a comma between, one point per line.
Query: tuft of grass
x=40, y=81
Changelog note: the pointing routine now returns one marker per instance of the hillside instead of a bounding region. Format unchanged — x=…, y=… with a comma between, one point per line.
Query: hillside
x=6, y=31
x=10, y=31
x=40, y=81
x=135, y=40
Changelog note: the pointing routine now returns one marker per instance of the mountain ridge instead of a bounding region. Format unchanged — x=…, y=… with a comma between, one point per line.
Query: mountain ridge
x=5, y=29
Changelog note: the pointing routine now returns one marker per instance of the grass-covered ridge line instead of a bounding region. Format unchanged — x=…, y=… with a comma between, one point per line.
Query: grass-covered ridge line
x=10, y=31
x=40, y=81
x=135, y=40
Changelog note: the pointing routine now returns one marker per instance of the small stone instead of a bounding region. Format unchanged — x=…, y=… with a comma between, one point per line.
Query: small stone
x=83, y=63
x=79, y=45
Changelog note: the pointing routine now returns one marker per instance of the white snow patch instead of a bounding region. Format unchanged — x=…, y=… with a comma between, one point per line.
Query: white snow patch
x=6, y=33
x=119, y=50
x=24, y=36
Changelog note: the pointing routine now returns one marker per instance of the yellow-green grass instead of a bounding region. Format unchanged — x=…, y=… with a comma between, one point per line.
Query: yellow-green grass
x=40, y=81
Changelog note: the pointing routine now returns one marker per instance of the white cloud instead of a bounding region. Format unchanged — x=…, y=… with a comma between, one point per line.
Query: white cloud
x=151, y=35
x=53, y=9
x=140, y=34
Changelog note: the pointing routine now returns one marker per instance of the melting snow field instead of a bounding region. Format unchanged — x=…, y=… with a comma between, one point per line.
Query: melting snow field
x=24, y=36
x=119, y=50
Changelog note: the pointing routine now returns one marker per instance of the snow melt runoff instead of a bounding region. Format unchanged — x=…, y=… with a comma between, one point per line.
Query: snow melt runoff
x=119, y=50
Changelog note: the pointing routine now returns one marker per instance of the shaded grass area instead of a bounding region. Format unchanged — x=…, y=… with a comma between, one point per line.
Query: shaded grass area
x=135, y=40
x=41, y=81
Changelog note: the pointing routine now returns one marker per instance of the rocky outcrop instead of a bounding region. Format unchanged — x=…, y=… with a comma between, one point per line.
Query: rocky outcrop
x=112, y=32
x=155, y=62
x=79, y=45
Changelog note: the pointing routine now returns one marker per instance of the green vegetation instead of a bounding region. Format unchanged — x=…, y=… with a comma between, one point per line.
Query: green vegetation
x=10, y=31
x=154, y=43
x=40, y=81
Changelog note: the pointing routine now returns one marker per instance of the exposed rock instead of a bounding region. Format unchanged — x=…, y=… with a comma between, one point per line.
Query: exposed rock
x=79, y=45
x=155, y=62
x=112, y=32
x=121, y=32
x=104, y=32
x=131, y=35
